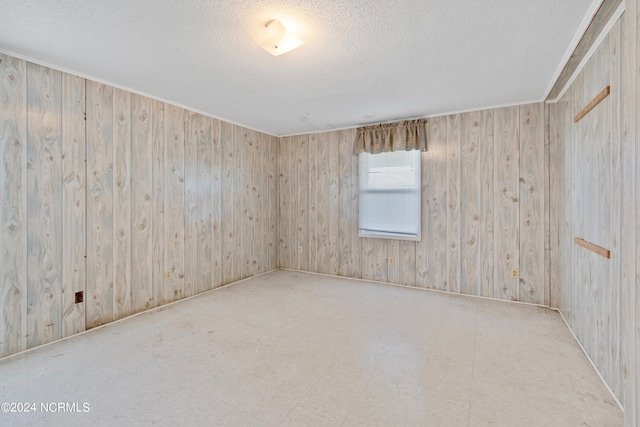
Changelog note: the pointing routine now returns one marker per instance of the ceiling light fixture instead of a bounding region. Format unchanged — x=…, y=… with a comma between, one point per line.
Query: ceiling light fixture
x=275, y=39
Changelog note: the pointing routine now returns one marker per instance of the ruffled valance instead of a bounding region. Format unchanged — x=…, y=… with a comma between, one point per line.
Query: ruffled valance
x=405, y=135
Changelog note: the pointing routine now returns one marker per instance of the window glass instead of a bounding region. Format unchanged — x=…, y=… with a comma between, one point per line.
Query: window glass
x=390, y=190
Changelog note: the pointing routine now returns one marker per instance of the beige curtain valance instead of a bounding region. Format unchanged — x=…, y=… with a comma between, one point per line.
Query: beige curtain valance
x=405, y=135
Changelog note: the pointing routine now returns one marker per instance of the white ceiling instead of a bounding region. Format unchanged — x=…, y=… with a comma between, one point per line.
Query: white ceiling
x=364, y=61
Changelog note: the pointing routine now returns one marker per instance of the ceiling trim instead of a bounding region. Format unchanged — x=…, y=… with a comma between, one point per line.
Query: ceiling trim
x=424, y=116
x=128, y=89
x=582, y=29
x=600, y=25
x=596, y=44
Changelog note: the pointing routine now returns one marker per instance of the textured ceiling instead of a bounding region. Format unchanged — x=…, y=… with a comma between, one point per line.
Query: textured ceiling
x=364, y=61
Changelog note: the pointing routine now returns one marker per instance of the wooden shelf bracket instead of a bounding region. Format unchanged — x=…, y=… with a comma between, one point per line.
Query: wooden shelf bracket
x=594, y=248
x=595, y=101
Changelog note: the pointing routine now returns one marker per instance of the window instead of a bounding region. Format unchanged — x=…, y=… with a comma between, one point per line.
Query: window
x=390, y=195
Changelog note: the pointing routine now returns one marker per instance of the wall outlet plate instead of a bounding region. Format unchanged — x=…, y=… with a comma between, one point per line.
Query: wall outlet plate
x=391, y=260
x=167, y=275
x=514, y=273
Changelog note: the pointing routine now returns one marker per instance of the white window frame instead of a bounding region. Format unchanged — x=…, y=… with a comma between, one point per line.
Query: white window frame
x=372, y=193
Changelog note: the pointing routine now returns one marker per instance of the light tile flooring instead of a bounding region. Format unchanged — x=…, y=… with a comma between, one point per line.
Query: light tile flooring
x=297, y=349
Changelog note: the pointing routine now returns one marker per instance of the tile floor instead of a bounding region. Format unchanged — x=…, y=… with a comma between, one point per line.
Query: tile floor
x=297, y=349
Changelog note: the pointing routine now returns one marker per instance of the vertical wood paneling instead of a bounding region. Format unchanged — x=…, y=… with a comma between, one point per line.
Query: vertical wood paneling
x=506, y=239
x=201, y=131
x=407, y=263
x=393, y=250
x=302, y=201
x=583, y=144
x=13, y=205
x=284, y=202
x=422, y=247
x=330, y=200
x=628, y=246
x=229, y=243
x=532, y=204
x=471, y=195
x=216, y=176
x=332, y=203
x=457, y=250
x=602, y=136
x=44, y=201
x=355, y=208
x=237, y=196
x=437, y=187
x=141, y=203
x=574, y=217
x=557, y=115
x=264, y=188
x=567, y=231
x=591, y=267
x=258, y=193
x=245, y=204
x=588, y=199
x=595, y=293
x=633, y=413
x=461, y=196
x=345, y=218
x=122, y=197
x=616, y=232
x=273, y=202
x=191, y=254
x=581, y=197
x=314, y=232
x=453, y=202
x=368, y=260
x=73, y=203
x=159, y=281
x=122, y=203
x=568, y=248
x=324, y=237
x=296, y=225
x=487, y=191
x=99, y=298
x=376, y=267
x=547, y=212
x=174, y=202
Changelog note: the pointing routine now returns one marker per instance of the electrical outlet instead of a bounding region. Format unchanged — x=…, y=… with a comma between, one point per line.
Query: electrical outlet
x=391, y=260
x=167, y=275
x=299, y=249
x=514, y=273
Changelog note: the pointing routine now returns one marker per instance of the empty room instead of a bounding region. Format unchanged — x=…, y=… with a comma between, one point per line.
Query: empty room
x=320, y=213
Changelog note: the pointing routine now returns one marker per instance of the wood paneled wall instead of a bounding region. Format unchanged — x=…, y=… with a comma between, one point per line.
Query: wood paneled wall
x=138, y=203
x=595, y=196
x=483, y=208
x=132, y=201
x=630, y=214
